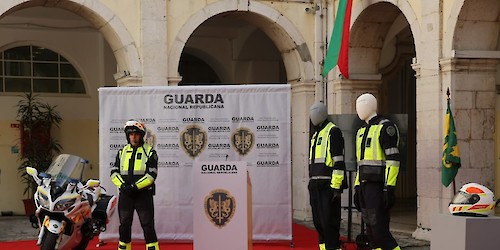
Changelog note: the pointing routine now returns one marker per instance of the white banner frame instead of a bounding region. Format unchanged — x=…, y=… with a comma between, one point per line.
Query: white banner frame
x=262, y=112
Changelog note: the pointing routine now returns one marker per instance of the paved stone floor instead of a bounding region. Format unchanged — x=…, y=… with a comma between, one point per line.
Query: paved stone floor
x=14, y=228
x=403, y=237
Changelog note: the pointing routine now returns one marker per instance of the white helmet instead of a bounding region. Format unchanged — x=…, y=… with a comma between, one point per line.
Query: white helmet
x=366, y=106
x=318, y=113
x=134, y=126
x=472, y=200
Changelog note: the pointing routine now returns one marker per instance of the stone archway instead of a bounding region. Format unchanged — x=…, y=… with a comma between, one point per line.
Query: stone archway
x=298, y=64
x=471, y=57
x=296, y=56
x=383, y=44
x=103, y=19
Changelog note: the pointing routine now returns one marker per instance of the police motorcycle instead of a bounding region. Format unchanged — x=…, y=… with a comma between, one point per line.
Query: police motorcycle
x=68, y=212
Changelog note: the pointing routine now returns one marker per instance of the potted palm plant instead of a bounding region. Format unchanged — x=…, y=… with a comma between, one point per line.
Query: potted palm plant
x=38, y=147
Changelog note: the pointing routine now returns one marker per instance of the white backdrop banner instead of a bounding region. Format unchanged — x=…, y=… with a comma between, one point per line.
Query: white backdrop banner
x=204, y=123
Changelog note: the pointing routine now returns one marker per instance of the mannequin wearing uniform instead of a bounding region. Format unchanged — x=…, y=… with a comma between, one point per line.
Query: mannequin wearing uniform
x=378, y=160
x=326, y=173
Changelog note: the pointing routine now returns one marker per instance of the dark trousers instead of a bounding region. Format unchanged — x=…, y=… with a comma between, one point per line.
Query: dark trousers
x=375, y=216
x=142, y=202
x=326, y=213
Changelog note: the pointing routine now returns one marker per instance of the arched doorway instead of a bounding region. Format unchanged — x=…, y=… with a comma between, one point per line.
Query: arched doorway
x=382, y=48
x=267, y=43
x=236, y=50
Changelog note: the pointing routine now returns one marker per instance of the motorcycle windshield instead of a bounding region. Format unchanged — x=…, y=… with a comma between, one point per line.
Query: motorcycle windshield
x=66, y=168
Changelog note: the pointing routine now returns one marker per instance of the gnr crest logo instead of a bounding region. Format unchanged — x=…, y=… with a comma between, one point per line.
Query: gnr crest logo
x=193, y=140
x=220, y=207
x=242, y=140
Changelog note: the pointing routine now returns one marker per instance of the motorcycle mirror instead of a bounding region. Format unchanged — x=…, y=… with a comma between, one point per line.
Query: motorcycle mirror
x=93, y=183
x=31, y=171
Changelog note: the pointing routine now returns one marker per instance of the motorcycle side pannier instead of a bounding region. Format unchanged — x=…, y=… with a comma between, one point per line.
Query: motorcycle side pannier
x=105, y=208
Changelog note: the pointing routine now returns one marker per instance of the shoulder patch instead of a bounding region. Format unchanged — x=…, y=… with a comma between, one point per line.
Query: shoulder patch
x=391, y=130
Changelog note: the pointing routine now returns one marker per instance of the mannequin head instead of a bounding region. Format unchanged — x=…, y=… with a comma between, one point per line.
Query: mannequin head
x=318, y=113
x=366, y=107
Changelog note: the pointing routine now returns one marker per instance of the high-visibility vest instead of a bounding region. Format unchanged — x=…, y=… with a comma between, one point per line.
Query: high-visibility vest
x=321, y=167
x=141, y=157
x=374, y=166
x=322, y=150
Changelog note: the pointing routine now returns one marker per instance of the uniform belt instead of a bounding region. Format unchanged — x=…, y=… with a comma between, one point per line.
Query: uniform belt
x=321, y=178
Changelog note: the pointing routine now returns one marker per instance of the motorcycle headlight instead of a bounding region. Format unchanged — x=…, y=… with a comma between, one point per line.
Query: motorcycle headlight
x=64, y=204
x=43, y=200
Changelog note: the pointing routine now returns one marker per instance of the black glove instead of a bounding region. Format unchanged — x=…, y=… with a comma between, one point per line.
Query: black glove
x=356, y=198
x=389, y=197
x=128, y=189
x=336, y=194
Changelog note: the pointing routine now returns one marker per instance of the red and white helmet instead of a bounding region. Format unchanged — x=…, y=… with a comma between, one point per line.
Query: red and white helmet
x=472, y=200
x=134, y=126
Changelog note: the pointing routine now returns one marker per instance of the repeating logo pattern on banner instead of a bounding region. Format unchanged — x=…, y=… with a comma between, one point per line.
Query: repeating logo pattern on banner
x=220, y=207
x=193, y=140
x=188, y=124
x=243, y=140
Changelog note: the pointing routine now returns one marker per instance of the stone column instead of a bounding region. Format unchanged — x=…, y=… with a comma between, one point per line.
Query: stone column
x=303, y=96
x=154, y=42
x=429, y=123
x=473, y=101
x=342, y=93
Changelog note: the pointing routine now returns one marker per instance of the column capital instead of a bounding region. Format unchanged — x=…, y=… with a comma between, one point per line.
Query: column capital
x=303, y=87
x=357, y=85
x=468, y=64
x=174, y=80
x=129, y=81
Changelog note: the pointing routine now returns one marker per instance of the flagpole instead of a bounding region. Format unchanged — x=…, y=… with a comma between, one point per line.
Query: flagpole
x=448, y=99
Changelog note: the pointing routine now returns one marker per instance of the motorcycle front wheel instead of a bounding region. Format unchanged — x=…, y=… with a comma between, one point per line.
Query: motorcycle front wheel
x=49, y=241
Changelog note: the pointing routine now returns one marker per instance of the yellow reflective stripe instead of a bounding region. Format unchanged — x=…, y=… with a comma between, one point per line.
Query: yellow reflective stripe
x=123, y=166
x=337, y=178
x=391, y=175
x=359, y=138
x=391, y=151
x=356, y=182
x=145, y=181
x=313, y=141
x=319, y=160
x=338, y=172
x=124, y=246
x=117, y=179
x=338, y=158
x=392, y=163
x=378, y=153
x=371, y=163
x=154, y=244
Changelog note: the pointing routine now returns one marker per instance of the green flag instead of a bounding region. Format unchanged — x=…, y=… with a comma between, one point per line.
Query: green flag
x=451, y=154
x=338, y=50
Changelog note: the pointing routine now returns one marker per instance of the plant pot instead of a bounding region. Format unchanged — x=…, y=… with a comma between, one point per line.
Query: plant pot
x=29, y=206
